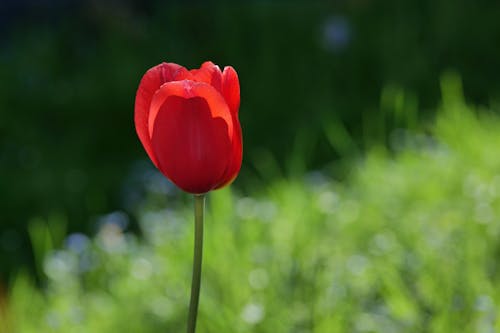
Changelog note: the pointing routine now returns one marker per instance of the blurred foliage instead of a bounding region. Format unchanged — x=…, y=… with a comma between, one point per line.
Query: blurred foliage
x=320, y=81
x=409, y=243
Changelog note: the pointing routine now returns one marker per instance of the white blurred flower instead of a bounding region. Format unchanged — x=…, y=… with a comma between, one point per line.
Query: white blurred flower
x=253, y=313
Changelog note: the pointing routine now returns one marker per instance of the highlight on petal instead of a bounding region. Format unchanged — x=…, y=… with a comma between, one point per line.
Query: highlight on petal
x=150, y=83
x=231, y=89
x=189, y=89
x=191, y=129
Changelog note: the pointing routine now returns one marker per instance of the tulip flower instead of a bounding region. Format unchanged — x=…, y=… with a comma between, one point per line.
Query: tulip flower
x=187, y=121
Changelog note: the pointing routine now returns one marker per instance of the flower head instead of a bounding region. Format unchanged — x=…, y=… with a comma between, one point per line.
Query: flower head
x=187, y=121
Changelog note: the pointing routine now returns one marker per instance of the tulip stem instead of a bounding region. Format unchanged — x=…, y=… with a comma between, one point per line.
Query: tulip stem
x=199, y=208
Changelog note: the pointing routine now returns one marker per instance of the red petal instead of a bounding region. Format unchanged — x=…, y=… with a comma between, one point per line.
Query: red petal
x=183, y=74
x=231, y=89
x=209, y=73
x=236, y=157
x=231, y=93
x=191, y=129
x=150, y=83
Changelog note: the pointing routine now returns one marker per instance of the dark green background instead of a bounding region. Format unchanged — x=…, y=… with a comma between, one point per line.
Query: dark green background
x=69, y=71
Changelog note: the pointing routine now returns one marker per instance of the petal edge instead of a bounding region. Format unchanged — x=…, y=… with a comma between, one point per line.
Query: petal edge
x=149, y=84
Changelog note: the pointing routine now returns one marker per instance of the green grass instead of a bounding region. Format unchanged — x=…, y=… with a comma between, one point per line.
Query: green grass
x=409, y=243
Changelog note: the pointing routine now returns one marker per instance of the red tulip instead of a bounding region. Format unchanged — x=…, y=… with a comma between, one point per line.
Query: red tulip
x=187, y=121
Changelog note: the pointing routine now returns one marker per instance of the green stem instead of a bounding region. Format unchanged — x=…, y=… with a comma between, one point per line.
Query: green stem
x=199, y=208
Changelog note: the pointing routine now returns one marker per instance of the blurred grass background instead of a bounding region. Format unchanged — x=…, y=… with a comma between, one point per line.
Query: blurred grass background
x=367, y=201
